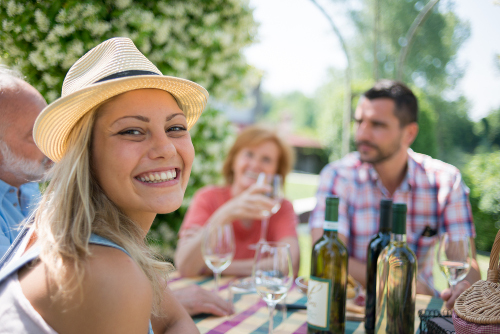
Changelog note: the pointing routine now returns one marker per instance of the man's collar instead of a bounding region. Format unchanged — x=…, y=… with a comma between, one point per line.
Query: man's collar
x=368, y=172
x=5, y=187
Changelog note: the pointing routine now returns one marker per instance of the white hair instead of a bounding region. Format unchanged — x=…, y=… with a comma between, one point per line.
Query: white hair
x=4, y=70
x=31, y=170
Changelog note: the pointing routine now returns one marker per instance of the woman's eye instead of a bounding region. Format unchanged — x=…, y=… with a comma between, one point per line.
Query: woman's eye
x=176, y=128
x=133, y=132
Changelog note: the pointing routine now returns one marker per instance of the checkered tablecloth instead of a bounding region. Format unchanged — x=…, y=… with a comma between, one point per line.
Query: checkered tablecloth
x=251, y=316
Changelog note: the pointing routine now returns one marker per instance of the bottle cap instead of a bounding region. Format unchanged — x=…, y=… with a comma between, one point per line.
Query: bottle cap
x=399, y=218
x=332, y=209
x=385, y=214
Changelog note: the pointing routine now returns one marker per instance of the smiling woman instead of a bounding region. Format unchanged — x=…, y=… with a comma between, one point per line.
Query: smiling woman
x=242, y=203
x=122, y=151
x=149, y=140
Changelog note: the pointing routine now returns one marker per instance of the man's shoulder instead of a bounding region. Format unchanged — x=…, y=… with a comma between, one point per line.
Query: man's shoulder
x=434, y=167
x=345, y=167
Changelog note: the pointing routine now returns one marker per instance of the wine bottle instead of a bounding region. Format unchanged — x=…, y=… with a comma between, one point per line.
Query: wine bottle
x=398, y=270
x=326, y=293
x=378, y=242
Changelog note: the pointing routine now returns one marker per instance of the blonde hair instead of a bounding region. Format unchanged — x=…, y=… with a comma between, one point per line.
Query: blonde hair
x=73, y=206
x=255, y=135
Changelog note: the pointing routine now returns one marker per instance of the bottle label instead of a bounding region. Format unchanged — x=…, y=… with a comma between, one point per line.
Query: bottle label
x=330, y=226
x=318, y=303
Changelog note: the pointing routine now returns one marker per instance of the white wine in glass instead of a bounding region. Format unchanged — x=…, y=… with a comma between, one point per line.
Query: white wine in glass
x=454, y=257
x=273, y=274
x=218, y=249
x=275, y=181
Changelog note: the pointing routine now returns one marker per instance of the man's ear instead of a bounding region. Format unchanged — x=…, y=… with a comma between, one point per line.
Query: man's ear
x=411, y=131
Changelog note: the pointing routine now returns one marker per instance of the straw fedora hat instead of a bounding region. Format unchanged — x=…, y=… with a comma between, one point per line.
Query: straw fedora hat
x=113, y=67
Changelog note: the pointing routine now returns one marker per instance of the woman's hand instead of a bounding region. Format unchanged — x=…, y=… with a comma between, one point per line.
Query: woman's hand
x=449, y=297
x=250, y=204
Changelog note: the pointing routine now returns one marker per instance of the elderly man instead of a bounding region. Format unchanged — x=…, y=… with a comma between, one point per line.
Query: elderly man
x=385, y=167
x=21, y=162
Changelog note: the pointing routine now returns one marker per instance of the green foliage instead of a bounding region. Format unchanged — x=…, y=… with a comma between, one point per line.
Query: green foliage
x=212, y=137
x=198, y=40
x=488, y=129
x=430, y=63
x=482, y=174
x=426, y=139
x=295, y=106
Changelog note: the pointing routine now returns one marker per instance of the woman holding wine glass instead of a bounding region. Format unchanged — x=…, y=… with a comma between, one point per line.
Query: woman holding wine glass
x=243, y=203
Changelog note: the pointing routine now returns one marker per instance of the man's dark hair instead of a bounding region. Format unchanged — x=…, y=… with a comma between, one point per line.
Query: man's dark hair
x=406, y=109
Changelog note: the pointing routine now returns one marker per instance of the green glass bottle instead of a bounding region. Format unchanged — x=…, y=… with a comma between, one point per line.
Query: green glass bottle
x=398, y=270
x=326, y=294
x=378, y=242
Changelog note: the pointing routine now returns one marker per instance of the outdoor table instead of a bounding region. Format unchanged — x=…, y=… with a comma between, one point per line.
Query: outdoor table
x=251, y=313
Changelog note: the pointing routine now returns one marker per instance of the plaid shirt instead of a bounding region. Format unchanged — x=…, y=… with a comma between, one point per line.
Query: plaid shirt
x=436, y=197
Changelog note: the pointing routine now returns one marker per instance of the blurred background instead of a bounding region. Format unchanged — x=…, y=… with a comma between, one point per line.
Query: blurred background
x=298, y=64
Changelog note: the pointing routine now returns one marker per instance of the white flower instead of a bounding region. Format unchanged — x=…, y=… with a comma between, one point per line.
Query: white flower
x=7, y=25
x=51, y=95
x=97, y=28
x=121, y=4
x=210, y=19
x=42, y=21
x=14, y=8
x=50, y=80
x=37, y=60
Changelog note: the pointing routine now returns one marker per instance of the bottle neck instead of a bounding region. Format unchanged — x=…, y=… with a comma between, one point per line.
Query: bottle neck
x=330, y=233
x=385, y=229
x=330, y=229
x=398, y=238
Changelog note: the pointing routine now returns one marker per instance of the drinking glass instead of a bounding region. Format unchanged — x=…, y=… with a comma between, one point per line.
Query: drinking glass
x=275, y=181
x=273, y=275
x=454, y=257
x=218, y=249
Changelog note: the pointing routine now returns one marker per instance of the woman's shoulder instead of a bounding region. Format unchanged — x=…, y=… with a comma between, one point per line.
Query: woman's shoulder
x=286, y=205
x=211, y=190
x=114, y=293
x=212, y=195
x=114, y=290
x=109, y=266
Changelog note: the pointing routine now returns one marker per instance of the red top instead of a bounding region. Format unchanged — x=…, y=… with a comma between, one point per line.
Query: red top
x=208, y=199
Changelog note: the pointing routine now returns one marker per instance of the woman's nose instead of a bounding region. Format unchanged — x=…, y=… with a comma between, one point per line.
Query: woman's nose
x=162, y=147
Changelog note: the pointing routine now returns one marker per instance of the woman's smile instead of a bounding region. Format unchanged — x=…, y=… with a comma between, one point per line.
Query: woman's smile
x=142, y=153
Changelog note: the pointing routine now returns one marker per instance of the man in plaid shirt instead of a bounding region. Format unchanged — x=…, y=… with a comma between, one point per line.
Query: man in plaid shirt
x=385, y=167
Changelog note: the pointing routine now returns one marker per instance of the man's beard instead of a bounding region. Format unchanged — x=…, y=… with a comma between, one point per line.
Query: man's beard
x=31, y=170
x=381, y=155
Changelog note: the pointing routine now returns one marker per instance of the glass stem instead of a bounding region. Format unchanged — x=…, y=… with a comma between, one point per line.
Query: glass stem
x=263, y=228
x=216, y=279
x=271, y=317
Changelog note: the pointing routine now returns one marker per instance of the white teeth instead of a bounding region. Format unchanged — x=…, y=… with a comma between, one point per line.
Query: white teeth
x=159, y=177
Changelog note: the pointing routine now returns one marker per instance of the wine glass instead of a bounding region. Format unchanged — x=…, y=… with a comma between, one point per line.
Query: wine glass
x=272, y=273
x=218, y=249
x=454, y=257
x=275, y=181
